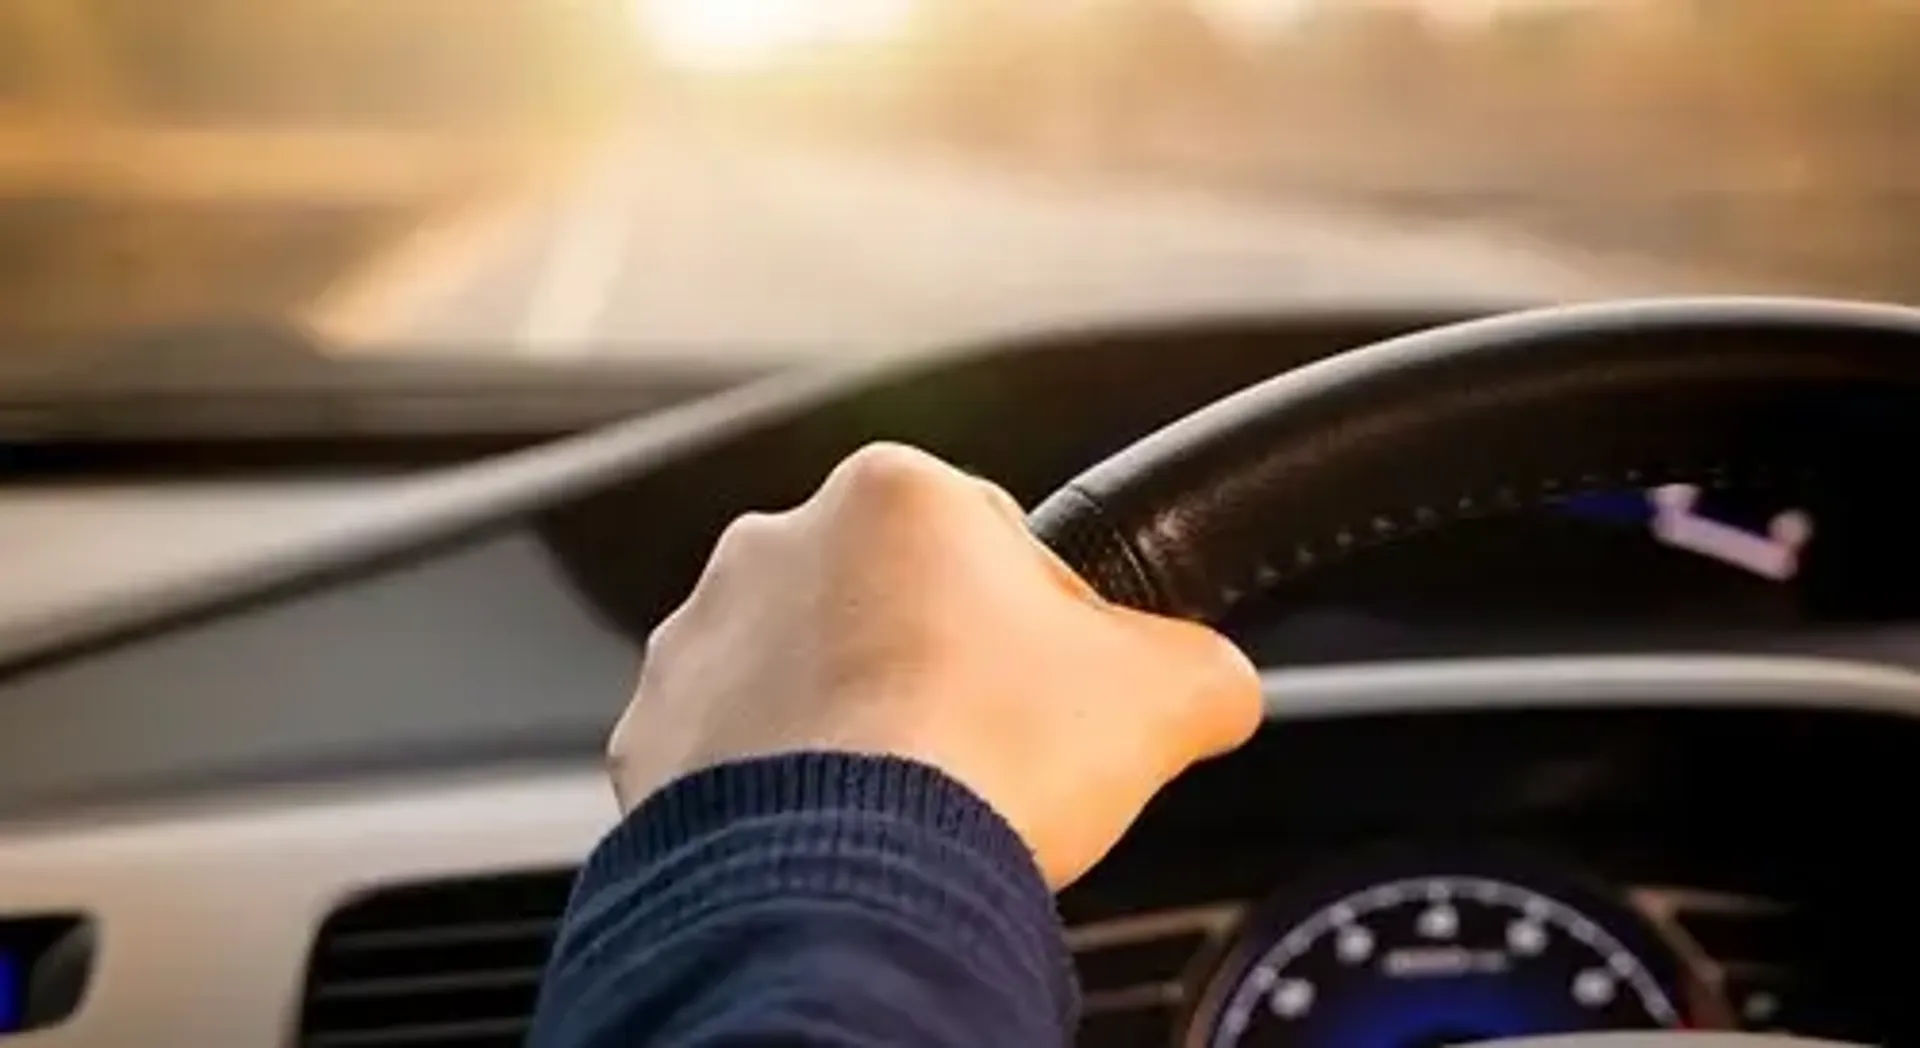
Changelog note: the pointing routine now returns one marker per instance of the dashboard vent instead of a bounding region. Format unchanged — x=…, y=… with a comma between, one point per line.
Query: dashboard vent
x=453, y=964
x=1746, y=942
x=1136, y=972
x=457, y=964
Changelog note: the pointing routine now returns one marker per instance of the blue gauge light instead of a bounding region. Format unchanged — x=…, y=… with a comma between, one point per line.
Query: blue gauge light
x=1435, y=1013
x=13, y=993
x=1430, y=961
x=1771, y=545
x=1631, y=507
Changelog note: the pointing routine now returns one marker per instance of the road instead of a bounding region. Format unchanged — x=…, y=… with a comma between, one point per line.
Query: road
x=710, y=243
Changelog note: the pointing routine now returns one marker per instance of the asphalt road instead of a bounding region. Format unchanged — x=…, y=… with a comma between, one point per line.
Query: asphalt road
x=709, y=244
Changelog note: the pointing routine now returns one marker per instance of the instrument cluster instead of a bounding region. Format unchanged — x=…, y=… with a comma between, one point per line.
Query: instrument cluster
x=1415, y=949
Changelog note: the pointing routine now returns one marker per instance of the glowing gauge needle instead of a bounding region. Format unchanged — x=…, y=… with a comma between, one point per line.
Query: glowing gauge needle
x=1775, y=555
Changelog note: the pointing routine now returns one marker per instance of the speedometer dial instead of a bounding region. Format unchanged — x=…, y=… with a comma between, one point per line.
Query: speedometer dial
x=1426, y=961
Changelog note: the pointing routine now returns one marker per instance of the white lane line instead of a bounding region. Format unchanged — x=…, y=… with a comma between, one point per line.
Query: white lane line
x=587, y=252
x=392, y=301
x=397, y=299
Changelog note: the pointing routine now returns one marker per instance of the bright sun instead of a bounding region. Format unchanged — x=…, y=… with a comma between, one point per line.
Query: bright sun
x=740, y=34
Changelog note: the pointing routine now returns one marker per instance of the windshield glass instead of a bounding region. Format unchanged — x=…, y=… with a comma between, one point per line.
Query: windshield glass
x=542, y=178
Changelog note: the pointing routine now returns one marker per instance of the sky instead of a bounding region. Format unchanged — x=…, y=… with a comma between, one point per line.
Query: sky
x=744, y=34
x=1256, y=15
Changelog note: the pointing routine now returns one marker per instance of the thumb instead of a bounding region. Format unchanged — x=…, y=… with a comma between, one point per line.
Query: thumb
x=1208, y=687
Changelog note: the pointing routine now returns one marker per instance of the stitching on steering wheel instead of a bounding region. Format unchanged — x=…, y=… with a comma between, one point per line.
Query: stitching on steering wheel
x=1383, y=528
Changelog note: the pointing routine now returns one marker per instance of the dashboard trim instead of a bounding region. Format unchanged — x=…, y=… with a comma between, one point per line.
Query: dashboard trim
x=1675, y=1039
x=444, y=505
x=250, y=881
x=388, y=518
x=1573, y=682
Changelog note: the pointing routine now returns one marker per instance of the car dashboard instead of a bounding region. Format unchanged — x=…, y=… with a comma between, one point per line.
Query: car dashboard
x=309, y=759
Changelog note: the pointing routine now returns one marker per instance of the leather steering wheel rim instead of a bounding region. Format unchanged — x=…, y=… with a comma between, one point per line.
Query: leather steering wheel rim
x=1485, y=416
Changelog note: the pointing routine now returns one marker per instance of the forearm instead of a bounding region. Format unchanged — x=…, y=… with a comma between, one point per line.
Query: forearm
x=815, y=900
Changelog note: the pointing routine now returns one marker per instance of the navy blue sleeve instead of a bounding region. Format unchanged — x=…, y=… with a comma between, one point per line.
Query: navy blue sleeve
x=821, y=900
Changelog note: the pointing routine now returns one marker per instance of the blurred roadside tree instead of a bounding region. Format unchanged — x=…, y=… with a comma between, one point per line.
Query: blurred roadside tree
x=157, y=202
x=426, y=63
x=1771, y=136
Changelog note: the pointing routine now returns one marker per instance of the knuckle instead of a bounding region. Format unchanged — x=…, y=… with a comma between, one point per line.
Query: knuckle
x=1000, y=497
x=618, y=763
x=746, y=532
x=614, y=753
x=680, y=626
x=1244, y=714
x=1235, y=706
x=1218, y=704
x=893, y=469
x=660, y=638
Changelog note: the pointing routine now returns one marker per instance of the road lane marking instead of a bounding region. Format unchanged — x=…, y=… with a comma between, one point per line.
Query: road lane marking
x=388, y=302
x=586, y=255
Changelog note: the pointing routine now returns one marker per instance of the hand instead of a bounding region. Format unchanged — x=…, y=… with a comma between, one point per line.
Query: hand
x=906, y=610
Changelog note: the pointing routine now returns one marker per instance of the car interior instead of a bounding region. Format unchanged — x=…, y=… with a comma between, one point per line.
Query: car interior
x=1587, y=638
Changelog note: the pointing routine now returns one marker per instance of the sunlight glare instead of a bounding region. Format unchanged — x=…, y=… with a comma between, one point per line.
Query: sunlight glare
x=741, y=34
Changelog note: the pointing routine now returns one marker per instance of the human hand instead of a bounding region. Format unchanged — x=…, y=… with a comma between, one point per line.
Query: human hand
x=906, y=610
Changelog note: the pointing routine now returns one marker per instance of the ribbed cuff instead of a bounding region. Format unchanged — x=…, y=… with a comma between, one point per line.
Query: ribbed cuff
x=883, y=832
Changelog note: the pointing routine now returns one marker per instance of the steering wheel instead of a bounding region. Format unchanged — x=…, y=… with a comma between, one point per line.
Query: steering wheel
x=1488, y=416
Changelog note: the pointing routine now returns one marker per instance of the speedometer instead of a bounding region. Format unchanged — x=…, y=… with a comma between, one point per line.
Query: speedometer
x=1426, y=960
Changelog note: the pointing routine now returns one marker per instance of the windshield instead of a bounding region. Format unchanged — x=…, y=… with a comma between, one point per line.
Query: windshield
x=543, y=178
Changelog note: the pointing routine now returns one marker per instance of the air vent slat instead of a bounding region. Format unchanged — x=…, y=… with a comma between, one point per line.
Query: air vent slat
x=422, y=1009
x=1144, y=997
x=1130, y=965
x=478, y=1033
x=1752, y=942
x=438, y=960
x=457, y=964
x=443, y=935
x=1753, y=938
x=452, y=964
x=1135, y=971
x=357, y=989
x=1141, y=1028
